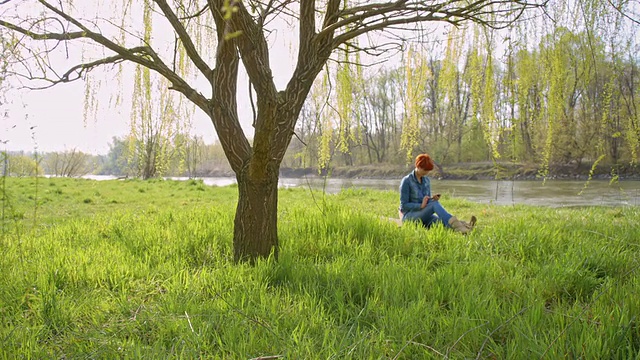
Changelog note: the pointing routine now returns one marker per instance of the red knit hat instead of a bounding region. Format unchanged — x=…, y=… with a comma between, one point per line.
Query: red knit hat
x=424, y=162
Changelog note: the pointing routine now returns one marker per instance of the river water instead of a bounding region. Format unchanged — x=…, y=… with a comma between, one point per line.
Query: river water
x=554, y=193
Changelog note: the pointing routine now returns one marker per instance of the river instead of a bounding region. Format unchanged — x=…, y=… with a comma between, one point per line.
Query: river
x=553, y=193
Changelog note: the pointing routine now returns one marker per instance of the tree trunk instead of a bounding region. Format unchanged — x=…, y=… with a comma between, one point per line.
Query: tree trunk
x=255, y=233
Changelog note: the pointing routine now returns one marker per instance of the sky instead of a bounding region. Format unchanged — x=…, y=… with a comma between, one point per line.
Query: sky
x=53, y=120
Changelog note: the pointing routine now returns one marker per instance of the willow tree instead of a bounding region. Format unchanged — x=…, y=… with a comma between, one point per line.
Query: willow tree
x=417, y=75
x=242, y=32
x=454, y=97
x=478, y=136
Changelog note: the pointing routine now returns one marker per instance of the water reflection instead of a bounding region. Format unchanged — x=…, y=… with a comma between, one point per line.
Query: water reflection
x=554, y=193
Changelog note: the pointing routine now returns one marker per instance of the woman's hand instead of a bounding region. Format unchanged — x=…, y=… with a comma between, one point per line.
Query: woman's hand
x=436, y=197
x=425, y=200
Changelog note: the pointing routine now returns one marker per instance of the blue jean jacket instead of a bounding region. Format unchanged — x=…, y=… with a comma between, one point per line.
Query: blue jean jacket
x=412, y=192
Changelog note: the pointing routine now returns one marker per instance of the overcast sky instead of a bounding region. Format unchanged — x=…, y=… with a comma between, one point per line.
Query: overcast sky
x=53, y=120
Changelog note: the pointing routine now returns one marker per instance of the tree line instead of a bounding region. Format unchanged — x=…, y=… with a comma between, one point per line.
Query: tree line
x=183, y=156
x=571, y=99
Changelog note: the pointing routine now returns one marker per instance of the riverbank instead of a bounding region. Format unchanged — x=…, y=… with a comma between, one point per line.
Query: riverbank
x=476, y=171
x=461, y=171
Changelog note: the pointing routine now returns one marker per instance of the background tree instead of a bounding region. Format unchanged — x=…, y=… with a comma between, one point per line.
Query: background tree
x=381, y=115
x=454, y=98
x=240, y=30
x=304, y=150
x=194, y=153
x=19, y=164
x=115, y=162
x=417, y=75
x=214, y=160
x=69, y=163
x=155, y=125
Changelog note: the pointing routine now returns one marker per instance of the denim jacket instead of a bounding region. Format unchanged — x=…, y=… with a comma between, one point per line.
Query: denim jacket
x=412, y=192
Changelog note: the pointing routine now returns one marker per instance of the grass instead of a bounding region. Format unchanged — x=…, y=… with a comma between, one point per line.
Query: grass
x=133, y=269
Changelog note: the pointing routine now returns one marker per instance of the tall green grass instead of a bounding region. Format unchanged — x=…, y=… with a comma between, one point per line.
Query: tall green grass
x=132, y=269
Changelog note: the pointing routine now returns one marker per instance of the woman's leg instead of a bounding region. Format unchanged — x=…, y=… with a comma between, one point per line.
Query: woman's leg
x=434, y=213
x=434, y=207
x=433, y=220
x=430, y=215
x=413, y=216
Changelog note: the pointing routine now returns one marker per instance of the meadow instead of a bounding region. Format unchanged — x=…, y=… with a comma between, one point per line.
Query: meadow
x=143, y=270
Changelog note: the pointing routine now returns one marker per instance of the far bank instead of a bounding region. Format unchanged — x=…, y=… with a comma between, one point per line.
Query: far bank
x=463, y=171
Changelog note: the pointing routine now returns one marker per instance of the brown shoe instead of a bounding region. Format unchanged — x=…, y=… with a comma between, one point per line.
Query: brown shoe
x=458, y=226
x=471, y=224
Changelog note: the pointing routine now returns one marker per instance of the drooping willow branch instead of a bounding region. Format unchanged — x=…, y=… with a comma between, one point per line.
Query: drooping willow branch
x=197, y=14
x=76, y=72
x=143, y=55
x=188, y=44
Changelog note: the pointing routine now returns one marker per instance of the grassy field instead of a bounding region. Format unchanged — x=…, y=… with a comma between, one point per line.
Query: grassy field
x=133, y=269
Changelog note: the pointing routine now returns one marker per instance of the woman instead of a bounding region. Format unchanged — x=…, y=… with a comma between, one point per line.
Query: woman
x=417, y=204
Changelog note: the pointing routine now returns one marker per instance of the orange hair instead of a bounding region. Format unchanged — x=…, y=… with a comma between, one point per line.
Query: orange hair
x=424, y=162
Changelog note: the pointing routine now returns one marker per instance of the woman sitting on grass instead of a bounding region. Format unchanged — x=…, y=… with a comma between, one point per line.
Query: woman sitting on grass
x=417, y=204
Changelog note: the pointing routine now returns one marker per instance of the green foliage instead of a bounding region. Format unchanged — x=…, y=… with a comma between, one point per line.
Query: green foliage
x=69, y=163
x=19, y=165
x=326, y=125
x=345, y=103
x=417, y=74
x=562, y=95
x=115, y=162
x=475, y=146
x=150, y=275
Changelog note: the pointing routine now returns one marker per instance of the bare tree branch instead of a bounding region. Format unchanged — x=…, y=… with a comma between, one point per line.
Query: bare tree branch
x=47, y=36
x=197, y=14
x=624, y=13
x=374, y=17
x=307, y=27
x=184, y=38
x=254, y=51
x=330, y=18
x=76, y=72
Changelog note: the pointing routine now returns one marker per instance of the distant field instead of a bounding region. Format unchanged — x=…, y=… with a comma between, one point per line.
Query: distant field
x=143, y=269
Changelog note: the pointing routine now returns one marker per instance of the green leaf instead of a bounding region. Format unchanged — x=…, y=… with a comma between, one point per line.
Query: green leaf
x=233, y=35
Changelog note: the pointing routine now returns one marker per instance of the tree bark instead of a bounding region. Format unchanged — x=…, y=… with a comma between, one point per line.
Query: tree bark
x=255, y=233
